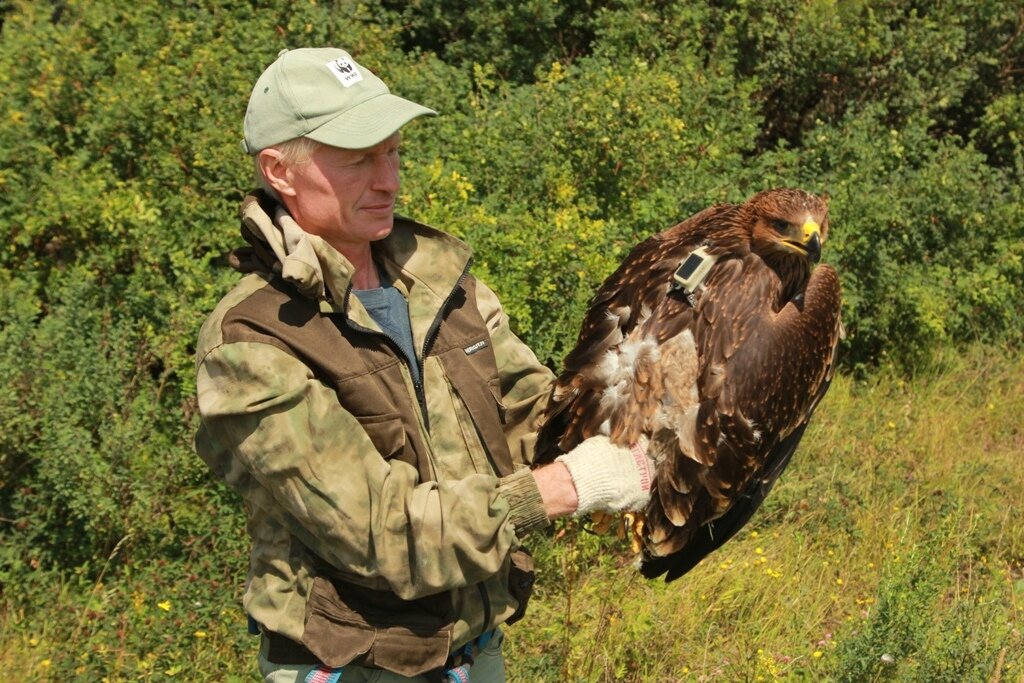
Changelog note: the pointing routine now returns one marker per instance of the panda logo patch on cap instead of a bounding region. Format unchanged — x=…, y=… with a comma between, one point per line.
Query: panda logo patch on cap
x=345, y=71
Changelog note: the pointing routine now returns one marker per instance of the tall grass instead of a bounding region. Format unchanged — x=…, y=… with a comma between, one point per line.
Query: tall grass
x=892, y=550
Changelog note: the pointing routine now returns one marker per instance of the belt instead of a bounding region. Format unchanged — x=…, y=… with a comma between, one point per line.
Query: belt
x=284, y=650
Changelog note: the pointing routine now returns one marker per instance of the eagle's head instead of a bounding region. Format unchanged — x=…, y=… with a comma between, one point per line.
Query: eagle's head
x=789, y=228
x=788, y=222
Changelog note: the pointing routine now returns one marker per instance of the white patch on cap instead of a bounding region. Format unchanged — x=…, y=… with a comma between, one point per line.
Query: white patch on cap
x=345, y=70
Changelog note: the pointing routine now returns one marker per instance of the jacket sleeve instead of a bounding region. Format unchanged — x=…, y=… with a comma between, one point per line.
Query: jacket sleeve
x=278, y=436
x=525, y=381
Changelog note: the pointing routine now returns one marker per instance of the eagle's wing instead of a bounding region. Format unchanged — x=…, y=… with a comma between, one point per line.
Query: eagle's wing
x=761, y=376
x=611, y=347
x=708, y=537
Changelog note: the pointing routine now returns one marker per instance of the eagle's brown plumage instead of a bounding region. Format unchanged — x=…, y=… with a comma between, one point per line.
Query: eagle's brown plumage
x=723, y=390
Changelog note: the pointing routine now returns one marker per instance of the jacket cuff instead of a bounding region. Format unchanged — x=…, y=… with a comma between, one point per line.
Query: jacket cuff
x=526, y=508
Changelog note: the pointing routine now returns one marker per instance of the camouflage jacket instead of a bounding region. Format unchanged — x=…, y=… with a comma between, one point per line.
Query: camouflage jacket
x=384, y=515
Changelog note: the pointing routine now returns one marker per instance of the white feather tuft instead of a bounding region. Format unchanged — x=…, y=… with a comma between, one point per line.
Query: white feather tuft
x=607, y=369
x=614, y=396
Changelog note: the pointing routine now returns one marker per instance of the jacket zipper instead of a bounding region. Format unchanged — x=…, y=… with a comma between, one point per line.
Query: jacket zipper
x=421, y=394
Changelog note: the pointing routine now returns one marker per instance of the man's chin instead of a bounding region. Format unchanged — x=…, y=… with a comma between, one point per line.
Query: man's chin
x=381, y=229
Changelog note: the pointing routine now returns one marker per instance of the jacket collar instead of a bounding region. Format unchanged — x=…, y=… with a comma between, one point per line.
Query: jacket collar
x=425, y=263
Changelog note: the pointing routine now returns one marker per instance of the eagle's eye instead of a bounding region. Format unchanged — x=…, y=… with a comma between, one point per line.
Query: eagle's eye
x=779, y=225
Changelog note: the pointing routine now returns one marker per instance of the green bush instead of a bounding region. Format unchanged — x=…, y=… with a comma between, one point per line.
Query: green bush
x=927, y=236
x=902, y=640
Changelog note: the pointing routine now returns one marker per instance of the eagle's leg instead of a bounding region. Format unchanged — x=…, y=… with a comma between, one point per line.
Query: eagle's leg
x=629, y=526
x=633, y=527
x=601, y=522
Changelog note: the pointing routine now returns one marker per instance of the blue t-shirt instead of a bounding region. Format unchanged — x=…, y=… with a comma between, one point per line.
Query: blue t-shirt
x=390, y=310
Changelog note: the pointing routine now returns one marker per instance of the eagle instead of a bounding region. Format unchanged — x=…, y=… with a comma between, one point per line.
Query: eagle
x=714, y=340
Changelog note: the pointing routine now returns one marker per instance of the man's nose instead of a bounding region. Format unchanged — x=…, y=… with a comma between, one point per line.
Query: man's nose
x=385, y=173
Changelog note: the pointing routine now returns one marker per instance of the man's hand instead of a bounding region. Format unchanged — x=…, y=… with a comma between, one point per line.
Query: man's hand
x=597, y=475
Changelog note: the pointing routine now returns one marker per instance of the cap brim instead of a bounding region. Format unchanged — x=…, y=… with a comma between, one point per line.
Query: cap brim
x=369, y=122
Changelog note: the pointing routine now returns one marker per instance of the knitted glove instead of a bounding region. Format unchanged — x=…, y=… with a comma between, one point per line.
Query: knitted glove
x=609, y=477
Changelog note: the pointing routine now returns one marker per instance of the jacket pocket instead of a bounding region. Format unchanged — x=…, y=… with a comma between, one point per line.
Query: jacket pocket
x=481, y=394
x=387, y=433
x=520, y=581
x=334, y=634
x=348, y=624
x=494, y=385
x=480, y=357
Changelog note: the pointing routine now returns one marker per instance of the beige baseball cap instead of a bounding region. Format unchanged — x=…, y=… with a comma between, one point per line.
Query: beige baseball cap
x=324, y=95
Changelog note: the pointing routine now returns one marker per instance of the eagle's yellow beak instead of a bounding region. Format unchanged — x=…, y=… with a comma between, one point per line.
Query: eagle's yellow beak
x=812, y=240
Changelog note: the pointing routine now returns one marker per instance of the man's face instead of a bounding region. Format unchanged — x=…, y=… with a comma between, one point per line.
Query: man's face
x=347, y=196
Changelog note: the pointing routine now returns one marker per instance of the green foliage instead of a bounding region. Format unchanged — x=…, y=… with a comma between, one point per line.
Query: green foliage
x=927, y=238
x=512, y=37
x=818, y=61
x=902, y=640
x=1001, y=131
x=569, y=131
x=166, y=618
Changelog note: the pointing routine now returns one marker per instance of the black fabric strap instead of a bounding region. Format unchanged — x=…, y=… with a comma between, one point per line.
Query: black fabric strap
x=284, y=650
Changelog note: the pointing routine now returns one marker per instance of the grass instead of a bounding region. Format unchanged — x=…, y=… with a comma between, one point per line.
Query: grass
x=892, y=550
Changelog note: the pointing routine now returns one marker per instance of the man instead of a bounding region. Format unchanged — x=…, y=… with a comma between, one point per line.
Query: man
x=365, y=396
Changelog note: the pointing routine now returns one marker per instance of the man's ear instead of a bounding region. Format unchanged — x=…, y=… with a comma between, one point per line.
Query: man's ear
x=277, y=173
